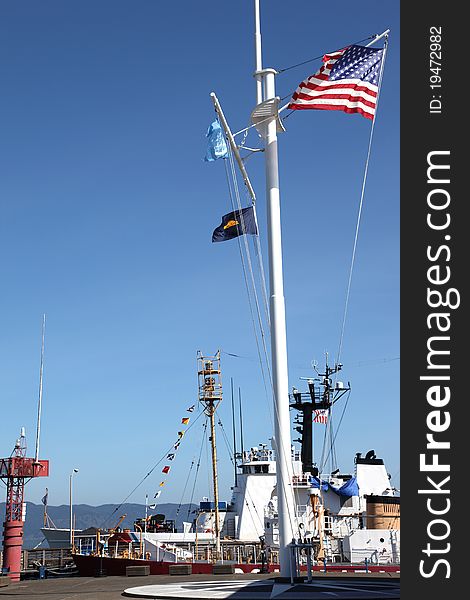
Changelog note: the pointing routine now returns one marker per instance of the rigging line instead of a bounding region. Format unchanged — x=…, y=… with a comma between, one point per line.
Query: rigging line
x=259, y=256
x=246, y=283
x=289, y=114
x=328, y=442
x=227, y=444
x=237, y=355
x=373, y=361
x=287, y=486
x=247, y=286
x=247, y=247
x=264, y=288
x=322, y=456
x=184, y=489
x=148, y=475
x=334, y=457
x=197, y=467
x=370, y=37
x=341, y=419
x=229, y=449
x=245, y=279
x=250, y=265
x=286, y=459
x=366, y=170
x=323, y=460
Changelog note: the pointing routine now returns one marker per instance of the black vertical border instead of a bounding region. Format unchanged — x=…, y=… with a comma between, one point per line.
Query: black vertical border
x=423, y=132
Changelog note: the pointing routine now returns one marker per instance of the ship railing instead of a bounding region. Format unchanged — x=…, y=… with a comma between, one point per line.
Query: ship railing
x=296, y=455
x=375, y=557
x=301, y=480
x=260, y=454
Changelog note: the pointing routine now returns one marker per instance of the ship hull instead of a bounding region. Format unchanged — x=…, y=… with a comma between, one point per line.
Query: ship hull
x=92, y=566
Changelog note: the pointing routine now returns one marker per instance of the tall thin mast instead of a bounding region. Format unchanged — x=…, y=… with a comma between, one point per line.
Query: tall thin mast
x=38, y=429
x=241, y=419
x=210, y=394
x=278, y=322
x=234, y=433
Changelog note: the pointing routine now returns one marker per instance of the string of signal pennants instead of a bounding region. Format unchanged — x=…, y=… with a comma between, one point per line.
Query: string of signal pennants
x=171, y=455
x=320, y=416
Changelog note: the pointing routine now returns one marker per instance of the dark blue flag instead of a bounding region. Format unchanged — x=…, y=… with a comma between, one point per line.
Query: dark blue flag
x=236, y=223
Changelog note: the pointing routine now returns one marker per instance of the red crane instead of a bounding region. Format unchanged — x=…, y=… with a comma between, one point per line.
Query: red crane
x=16, y=471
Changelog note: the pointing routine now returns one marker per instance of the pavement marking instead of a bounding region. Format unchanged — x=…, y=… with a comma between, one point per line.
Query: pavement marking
x=269, y=589
x=279, y=588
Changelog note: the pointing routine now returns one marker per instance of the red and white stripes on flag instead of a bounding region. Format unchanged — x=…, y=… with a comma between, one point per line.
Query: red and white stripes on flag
x=320, y=416
x=351, y=88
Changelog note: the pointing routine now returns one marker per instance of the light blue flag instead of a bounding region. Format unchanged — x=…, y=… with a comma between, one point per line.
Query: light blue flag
x=216, y=146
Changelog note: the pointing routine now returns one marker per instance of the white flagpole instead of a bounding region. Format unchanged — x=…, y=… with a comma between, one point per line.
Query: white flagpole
x=233, y=145
x=258, y=55
x=378, y=37
x=282, y=426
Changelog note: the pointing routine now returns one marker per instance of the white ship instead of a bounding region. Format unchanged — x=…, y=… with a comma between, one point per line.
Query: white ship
x=349, y=518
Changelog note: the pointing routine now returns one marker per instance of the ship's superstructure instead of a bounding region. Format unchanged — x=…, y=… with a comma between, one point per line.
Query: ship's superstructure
x=347, y=516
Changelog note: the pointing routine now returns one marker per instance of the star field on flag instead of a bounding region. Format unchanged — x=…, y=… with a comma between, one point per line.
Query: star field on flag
x=347, y=81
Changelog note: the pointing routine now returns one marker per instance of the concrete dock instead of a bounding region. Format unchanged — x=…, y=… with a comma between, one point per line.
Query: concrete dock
x=200, y=587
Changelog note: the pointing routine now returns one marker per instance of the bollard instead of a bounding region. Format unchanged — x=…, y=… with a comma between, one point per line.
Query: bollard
x=367, y=565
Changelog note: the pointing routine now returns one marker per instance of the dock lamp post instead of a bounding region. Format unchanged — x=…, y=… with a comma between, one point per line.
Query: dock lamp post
x=71, y=505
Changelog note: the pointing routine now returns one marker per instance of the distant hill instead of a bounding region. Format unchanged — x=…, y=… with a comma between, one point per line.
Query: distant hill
x=105, y=515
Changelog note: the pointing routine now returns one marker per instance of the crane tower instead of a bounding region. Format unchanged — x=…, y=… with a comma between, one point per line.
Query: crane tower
x=16, y=471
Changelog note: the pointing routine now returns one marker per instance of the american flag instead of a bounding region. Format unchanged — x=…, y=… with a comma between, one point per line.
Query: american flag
x=321, y=416
x=347, y=81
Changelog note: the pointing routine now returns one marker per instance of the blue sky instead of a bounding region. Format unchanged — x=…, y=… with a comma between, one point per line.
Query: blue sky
x=107, y=215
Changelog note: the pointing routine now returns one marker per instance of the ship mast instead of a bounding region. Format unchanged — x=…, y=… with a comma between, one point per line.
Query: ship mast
x=210, y=394
x=282, y=434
